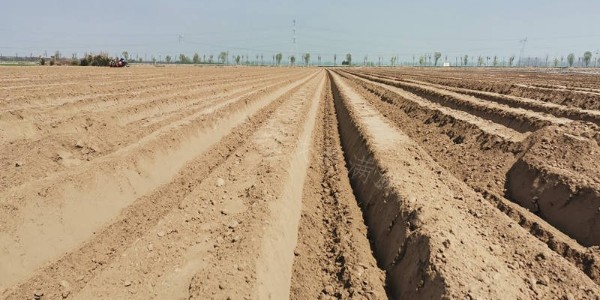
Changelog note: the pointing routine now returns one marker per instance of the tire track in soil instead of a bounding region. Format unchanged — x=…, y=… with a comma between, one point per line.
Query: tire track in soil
x=333, y=256
x=111, y=187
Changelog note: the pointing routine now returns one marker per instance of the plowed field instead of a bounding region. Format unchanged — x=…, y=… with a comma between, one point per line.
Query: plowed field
x=301, y=183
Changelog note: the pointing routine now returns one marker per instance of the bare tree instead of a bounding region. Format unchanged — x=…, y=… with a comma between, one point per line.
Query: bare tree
x=466, y=59
x=196, y=58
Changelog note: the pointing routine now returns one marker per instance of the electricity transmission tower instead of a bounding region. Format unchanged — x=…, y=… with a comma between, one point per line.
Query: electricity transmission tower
x=180, y=38
x=524, y=43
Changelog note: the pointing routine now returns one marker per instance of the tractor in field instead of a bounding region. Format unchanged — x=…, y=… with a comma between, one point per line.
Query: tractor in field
x=118, y=63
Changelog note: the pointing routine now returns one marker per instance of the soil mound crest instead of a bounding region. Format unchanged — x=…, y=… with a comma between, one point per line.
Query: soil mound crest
x=558, y=177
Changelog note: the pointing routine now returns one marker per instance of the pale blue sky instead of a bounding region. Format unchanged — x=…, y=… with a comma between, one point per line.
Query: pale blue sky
x=373, y=28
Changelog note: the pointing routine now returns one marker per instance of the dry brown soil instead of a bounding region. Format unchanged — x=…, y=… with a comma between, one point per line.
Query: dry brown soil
x=301, y=183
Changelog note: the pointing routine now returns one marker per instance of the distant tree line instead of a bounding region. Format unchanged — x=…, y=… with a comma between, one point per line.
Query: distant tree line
x=433, y=59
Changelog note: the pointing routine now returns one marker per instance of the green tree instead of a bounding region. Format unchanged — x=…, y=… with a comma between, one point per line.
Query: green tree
x=278, y=58
x=349, y=59
x=436, y=57
x=74, y=60
x=421, y=61
x=223, y=57
x=184, y=59
x=196, y=58
x=237, y=60
x=306, y=58
x=292, y=60
x=571, y=59
x=125, y=55
x=587, y=57
x=466, y=60
x=168, y=59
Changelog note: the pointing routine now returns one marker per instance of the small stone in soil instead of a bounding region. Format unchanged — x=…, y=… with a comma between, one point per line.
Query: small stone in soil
x=220, y=182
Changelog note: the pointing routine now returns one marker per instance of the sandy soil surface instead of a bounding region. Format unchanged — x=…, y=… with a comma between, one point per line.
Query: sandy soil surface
x=301, y=183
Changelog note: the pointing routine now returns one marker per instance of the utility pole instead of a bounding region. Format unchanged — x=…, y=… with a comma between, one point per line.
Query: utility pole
x=294, y=45
x=180, y=38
